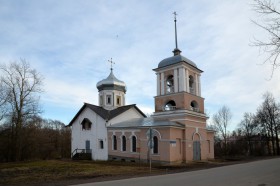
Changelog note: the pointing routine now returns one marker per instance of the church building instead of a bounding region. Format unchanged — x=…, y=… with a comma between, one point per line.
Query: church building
x=89, y=126
x=175, y=133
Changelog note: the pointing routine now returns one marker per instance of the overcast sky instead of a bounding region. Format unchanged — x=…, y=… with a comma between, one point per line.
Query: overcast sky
x=69, y=42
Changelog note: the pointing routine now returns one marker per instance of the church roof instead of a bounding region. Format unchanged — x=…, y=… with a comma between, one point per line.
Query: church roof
x=177, y=58
x=106, y=114
x=146, y=122
x=111, y=82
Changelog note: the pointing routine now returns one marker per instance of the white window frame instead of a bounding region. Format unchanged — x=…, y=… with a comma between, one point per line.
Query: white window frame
x=131, y=144
x=107, y=98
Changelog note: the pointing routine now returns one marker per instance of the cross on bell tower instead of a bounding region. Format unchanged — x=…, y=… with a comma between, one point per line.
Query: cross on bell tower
x=176, y=51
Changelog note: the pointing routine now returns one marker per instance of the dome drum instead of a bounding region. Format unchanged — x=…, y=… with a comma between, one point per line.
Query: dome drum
x=111, y=87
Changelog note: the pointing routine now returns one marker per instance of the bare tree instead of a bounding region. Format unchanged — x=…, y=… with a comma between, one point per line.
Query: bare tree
x=269, y=116
x=221, y=122
x=271, y=24
x=249, y=128
x=22, y=86
x=3, y=100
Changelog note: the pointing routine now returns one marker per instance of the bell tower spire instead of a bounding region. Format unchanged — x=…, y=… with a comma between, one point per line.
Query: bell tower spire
x=176, y=51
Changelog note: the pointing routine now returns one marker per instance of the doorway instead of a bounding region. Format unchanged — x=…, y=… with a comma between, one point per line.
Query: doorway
x=196, y=151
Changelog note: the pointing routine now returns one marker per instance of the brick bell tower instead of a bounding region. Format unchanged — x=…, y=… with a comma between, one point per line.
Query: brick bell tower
x=179, y=100
x=178, y=86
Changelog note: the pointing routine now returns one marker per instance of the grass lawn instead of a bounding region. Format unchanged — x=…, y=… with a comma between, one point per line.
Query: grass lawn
x=67, y=172
x=50, y=171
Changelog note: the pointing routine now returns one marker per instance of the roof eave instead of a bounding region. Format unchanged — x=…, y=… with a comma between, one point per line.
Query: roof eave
x=129, y=127
x=75, y=117
x=159, y=68
x=131, y=106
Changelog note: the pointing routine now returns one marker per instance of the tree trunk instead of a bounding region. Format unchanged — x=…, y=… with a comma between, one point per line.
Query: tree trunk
x=268, y=143
x=277, y=141
x=272, y=141
x=250, y=146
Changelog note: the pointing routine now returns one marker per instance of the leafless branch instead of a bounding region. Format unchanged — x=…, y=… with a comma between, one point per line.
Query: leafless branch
x=271, y=24
x=19, y=96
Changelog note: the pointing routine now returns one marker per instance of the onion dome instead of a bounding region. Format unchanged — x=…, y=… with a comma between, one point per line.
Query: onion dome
x=111, y=83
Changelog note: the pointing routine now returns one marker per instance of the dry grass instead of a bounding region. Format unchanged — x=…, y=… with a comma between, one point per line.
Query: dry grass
x=56, y=170
x=66, y=172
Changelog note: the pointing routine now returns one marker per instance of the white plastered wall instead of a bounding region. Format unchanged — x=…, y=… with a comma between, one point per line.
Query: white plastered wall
x=129, y=114
x=97, y=132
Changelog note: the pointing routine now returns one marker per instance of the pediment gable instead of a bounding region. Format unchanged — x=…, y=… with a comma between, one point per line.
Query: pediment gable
x=106, y=114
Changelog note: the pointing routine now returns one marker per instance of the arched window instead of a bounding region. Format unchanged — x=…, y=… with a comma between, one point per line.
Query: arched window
x=123, y=143
x=155, y=148
x=194, y=106
x=170, y=84
x=114, y=142
x=196, y=137
x=133, y=142
x=191, y=84
x=86, y=124
x=170, y=105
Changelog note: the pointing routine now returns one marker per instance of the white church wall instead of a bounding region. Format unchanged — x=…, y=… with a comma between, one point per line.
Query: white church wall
x=100, y=135
x=129, y=114
x=97, y=132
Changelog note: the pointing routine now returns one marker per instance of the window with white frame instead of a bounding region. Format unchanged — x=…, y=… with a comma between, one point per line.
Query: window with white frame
x=123, y=143
x=114, y=142
x=108, y=99
x=133, y=144
x=155, y=148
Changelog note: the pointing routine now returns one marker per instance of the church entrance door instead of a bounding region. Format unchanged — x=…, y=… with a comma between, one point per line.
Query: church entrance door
x=196, y=151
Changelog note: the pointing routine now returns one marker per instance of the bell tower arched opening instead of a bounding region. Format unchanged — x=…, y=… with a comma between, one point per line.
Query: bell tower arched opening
x=194, y=106
x=191, y=84
x=170, y=84
x=170, y=105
